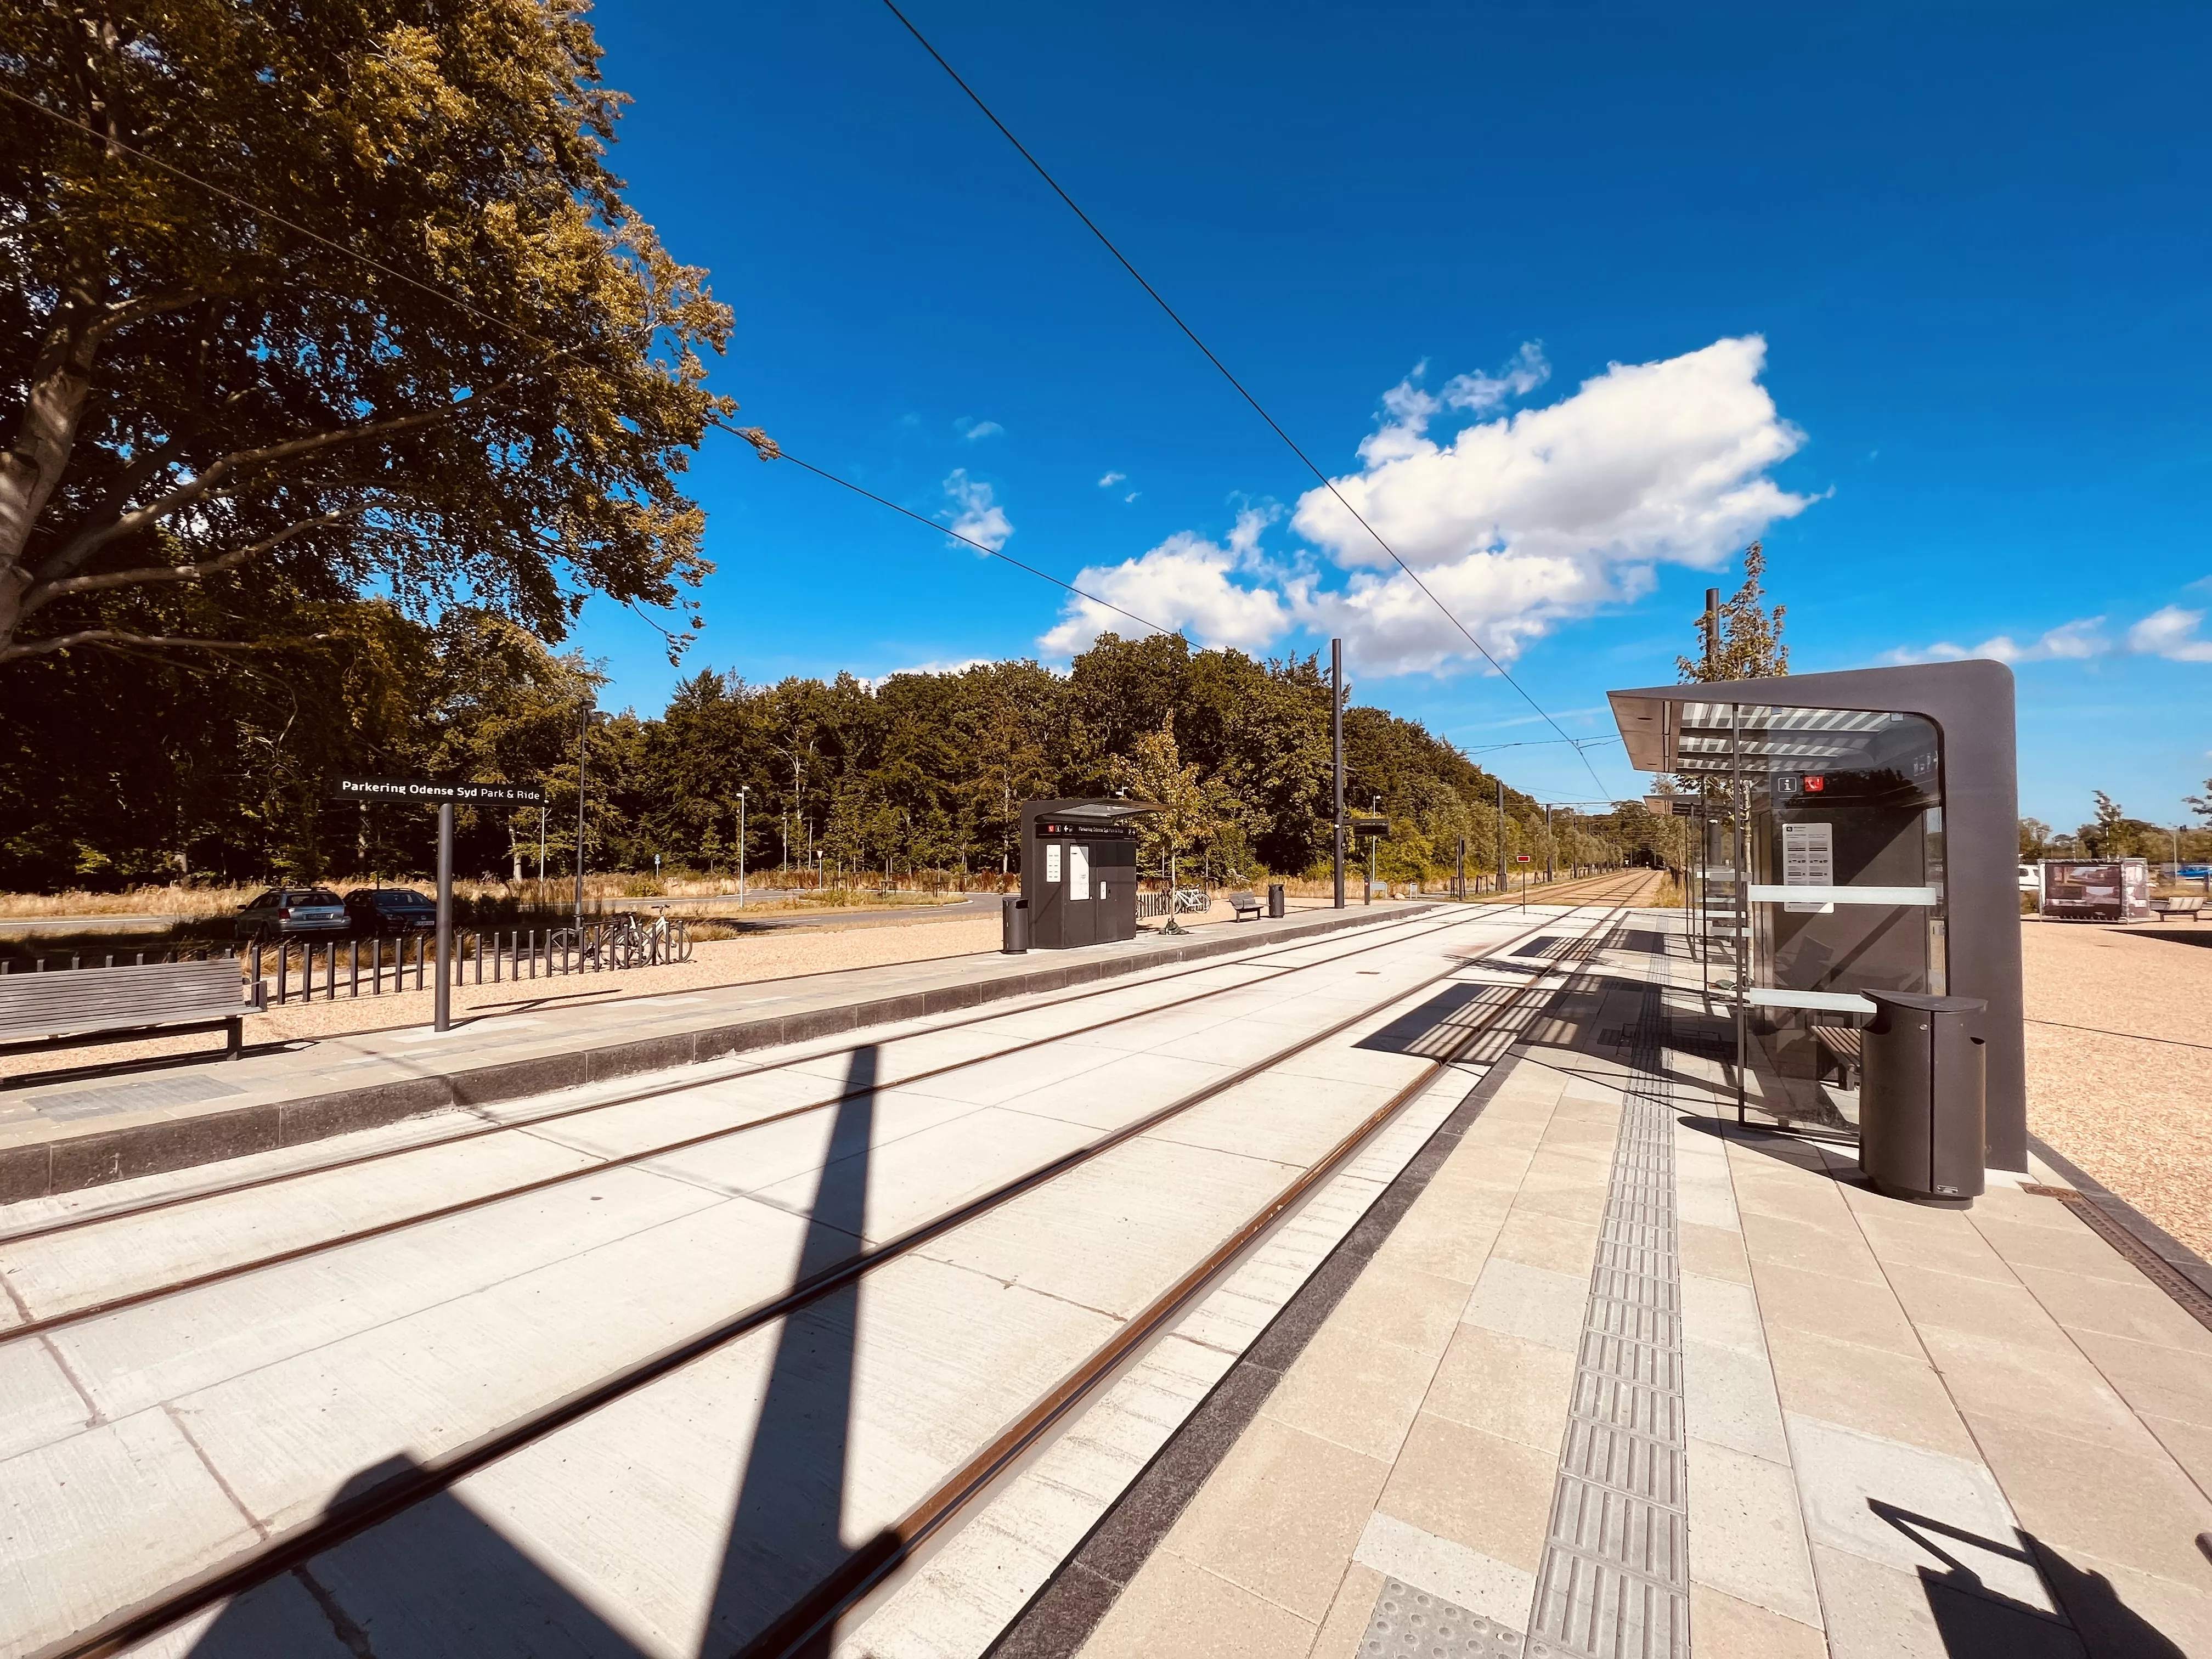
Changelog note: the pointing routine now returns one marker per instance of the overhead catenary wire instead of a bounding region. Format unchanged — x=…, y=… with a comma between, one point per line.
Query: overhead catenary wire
x=1326, y=482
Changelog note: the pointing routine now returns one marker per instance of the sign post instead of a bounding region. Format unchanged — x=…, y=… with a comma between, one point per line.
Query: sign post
x=445, y=796
x=1521, y=858
x=441, y=1004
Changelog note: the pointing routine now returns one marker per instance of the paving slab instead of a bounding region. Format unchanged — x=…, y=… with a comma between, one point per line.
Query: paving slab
x=1900, y=1431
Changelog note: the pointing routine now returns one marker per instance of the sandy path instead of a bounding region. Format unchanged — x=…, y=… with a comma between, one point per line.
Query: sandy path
x=2135, y=1114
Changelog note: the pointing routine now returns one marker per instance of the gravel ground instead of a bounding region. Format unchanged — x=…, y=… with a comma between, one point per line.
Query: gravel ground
x=2135, y=1114
x=780, y=955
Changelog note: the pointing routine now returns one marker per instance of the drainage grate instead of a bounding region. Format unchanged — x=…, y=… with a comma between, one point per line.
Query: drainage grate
x=1615, y=1580
x=1409, y=1622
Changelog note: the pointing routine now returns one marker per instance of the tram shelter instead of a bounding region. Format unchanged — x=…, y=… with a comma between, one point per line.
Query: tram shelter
x=1079, y=870
x=1856, y=832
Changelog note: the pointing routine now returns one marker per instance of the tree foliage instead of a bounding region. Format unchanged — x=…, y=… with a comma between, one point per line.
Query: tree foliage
x=125, y=771
x=309, y=301
x=1748, y=644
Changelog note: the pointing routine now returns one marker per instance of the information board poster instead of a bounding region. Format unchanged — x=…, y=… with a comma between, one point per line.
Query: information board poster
x=1078, y=871
x=1808, y=859
x=1052, y=863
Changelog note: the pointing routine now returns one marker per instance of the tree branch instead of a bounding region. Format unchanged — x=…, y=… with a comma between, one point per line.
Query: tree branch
x=45, y=592
x=117, y=637
x=86, y=542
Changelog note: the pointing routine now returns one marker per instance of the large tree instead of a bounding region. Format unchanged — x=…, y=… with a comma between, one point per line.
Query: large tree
x=330, y=297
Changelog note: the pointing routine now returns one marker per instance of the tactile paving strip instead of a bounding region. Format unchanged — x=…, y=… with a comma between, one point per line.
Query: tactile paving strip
x=1409, y=1622
x=1615, y=1581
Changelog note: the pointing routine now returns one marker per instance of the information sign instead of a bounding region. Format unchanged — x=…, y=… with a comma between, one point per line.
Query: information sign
x=1520, y=858
x=428, y=792
x=1370, y=826
x=1808, y=859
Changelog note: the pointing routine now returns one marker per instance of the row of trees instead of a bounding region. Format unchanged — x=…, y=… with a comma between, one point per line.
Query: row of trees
x=2111, y=833
x=123, y=771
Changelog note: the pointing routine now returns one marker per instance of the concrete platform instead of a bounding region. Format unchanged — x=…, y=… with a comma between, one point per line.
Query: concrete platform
x=1604, y=1375
x=67, y=1136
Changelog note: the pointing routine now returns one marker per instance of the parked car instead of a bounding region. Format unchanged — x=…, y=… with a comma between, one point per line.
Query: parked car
x=390, y=910
x=289, y=912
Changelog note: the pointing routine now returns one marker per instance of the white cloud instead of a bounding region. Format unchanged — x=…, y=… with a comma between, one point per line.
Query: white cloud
x=1130, y=496
x=1111, y=479
x=1517, y=523
x=2073, y=642
x=2171, y=633
x=1185, y=582
x=1481, y=393
x=973, y=430
x=965, y=663
x=979, y=519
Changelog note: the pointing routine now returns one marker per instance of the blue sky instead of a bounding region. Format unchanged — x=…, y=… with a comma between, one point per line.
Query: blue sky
x=1576, y=300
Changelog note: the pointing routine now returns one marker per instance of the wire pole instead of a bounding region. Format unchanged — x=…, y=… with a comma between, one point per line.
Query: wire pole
x=1336, y=743
x=1502, y=884
x=582, y=731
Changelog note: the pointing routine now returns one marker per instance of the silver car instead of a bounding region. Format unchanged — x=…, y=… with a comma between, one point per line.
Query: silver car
x=289, y=912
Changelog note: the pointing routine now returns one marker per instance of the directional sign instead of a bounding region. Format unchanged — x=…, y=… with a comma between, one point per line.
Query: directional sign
x=1370, y=826
x=1678, y=806
x=428, y=792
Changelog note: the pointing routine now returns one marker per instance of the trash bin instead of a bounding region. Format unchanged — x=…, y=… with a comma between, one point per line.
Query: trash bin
x=1278, y=906
x=1014, y=924
x=1923, y=1098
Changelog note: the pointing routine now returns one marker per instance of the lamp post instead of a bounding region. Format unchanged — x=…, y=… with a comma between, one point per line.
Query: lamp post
x=592, y=717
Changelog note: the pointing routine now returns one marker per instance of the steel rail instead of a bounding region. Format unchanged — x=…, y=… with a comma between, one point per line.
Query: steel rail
x=809, y=1621
x=282, y=1552
x=47, y=1324
x=168, y=1201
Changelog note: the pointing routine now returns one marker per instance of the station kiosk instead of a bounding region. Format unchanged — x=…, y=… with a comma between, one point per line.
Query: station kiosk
x=1079, y=870
x=1860, y=836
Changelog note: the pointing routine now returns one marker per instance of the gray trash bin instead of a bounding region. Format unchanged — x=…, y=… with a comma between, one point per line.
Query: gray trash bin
x=1923, y=1098
x=1013, y=925
x=1278, y=906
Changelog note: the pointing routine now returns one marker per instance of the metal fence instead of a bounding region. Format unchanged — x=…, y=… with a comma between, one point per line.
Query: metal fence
x=303, y=969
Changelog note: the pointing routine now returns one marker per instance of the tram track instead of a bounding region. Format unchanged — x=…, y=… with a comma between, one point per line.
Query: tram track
x=870, y=1567
x=700, y=1077
x=46, y=1324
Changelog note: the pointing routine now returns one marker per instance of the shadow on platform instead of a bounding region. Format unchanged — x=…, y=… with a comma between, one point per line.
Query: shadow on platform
x=1976, y=1622
x=441, y=1579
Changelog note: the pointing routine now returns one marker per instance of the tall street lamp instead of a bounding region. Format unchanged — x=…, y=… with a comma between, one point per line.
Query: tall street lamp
x=592, y=717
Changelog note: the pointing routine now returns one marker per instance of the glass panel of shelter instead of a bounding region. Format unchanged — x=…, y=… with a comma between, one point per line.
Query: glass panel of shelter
x=1826, y=801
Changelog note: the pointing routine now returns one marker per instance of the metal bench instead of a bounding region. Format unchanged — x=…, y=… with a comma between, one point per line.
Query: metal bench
x=110, y=1005
x=1244, y=904
x=2179, y=904
x=1845, y=1045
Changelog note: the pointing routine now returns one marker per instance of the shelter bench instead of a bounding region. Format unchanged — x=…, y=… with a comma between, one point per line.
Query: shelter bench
x=2181, y=904
x=1845, y=1045
x=1244, y=904
x=112, y=1005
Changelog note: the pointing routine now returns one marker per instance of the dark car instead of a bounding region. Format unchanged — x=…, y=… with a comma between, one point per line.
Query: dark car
x=289, y=912
x=390, y=910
